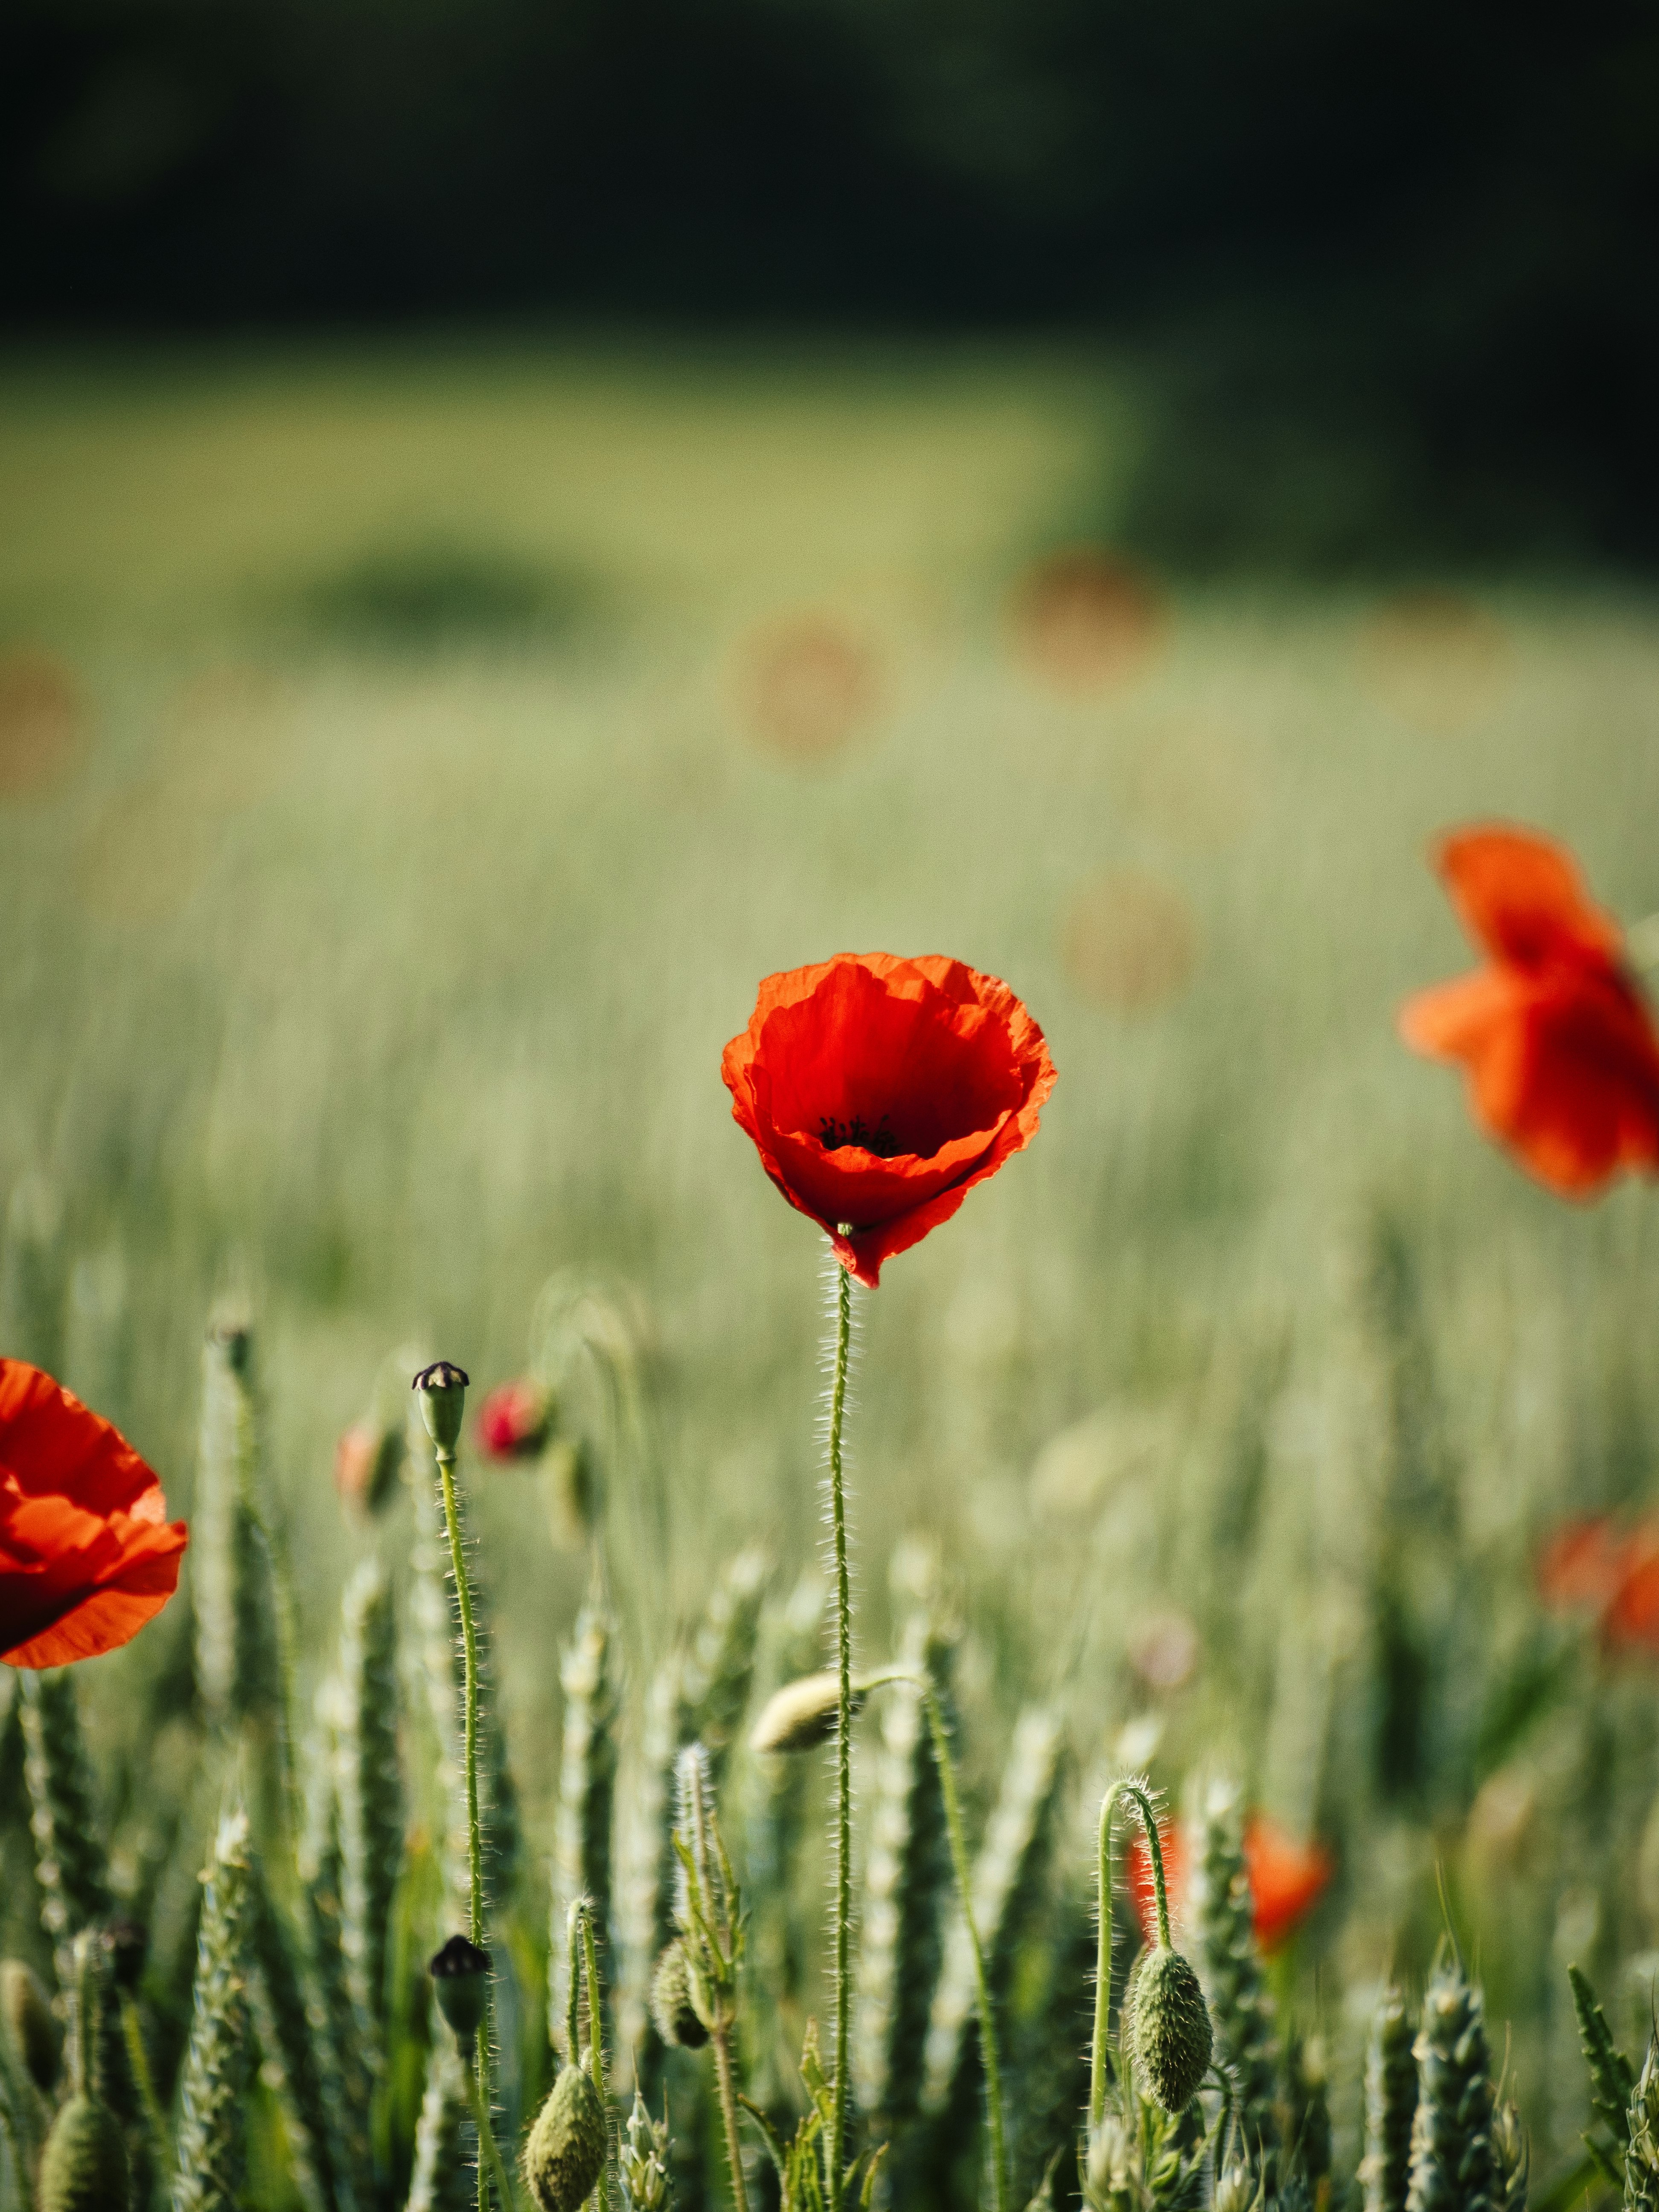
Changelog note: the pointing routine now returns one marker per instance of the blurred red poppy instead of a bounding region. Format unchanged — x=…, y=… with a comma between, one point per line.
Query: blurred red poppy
x=1582, y=1564
x=515, y=1421
x=86, y=1554
x=879, y=1091
x=1287, y=1879
x=366, y=1461
x=1562, y=1054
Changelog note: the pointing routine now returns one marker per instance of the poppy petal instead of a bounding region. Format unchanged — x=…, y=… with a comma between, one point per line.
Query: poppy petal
x=1522, y=897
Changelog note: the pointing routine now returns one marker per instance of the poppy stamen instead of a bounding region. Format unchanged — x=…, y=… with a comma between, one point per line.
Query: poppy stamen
x=880, y=1141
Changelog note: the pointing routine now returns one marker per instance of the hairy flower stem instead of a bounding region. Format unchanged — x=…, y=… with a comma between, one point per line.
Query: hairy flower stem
x=1100, y=2057
x=989, y=2054
x=584, y=1960
x=445, y=1456
x=487, y=2140
x=835, y=2145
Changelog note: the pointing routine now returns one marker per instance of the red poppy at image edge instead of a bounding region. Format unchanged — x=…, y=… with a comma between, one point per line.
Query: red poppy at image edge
x=1558, y=1041
x=879, y=1091
x=1287, y=1879
x=1593, y=1566
x=87, y=1553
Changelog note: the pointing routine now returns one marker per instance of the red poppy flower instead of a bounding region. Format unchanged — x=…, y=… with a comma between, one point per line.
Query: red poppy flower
x=1582, y=1564
x=1287, y=1879
x=1560, y=1044
x=86, y=1554
x=878, y=1091
x=515, y=1421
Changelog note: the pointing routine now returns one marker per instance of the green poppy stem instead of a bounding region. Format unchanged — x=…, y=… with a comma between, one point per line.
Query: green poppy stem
x=445, y=1456
x=1100, y=2057
x=837, y=2136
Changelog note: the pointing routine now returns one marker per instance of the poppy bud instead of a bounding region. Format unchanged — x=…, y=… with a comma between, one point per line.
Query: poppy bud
x=801, y=1716
x=127, y=1942
x=1170, y=2033
x=460, y=1981
x=83, y=2167
x=26, y=2012
x=565, y=2154
x=517, y=1420
x=367, y=1462
x=442, y=1390
x=1238, y=2189
x=671, y=2006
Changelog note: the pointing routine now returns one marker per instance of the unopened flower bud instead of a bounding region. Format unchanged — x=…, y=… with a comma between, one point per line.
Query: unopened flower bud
x=672, y=2005
x=367, y=1460
x=26, y=2012
x=516, y=1421
x=1170, y=2033
x=801, y=1716
x=442, y=1390
x=564, y=2157
x=1238, y=2189
x=83, y=2167
x=460, y=1982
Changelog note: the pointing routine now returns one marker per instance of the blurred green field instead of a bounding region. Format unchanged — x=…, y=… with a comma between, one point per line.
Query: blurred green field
x=404, y=781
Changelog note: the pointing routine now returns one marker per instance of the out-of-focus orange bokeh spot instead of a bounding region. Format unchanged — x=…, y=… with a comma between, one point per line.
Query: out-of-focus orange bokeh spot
x=1434, y=660
x=1129, y=942
x=805, y=686
x=1084, y=622
x=42, y=724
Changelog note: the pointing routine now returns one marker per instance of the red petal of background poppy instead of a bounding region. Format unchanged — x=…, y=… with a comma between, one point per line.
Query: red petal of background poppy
x=1521, y=896
x=1583, y=1563
x=1287, y=1879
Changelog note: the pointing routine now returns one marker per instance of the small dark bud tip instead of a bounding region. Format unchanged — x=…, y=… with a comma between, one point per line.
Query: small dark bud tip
x=460, y=1980
x=127, y=1943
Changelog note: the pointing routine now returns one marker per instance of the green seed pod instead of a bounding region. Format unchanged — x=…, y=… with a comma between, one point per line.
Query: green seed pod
x=83, y=2167
x=440, y=1392
x=1170, y=2034
x=26, y=2012
x=1390, y=2103
x=1230, y=1960
x=672, y=2008
x=1452, y=2168
x=587, y=1793
x=460, y=1982
x=1008, y=1882
x=565, y=2154
x=369, y=1782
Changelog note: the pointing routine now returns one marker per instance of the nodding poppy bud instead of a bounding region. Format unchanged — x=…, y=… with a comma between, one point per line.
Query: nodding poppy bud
x=565, y=2154
x=802, y=1714
x=233, y=1332
x=83, y=2167
x=517, y=1420
x=672, y=2008
x=460, y=1981
x=442, y=1390
x=367, y=1460
x=1170, y=2034
x=25, y=2011
x=127, y=1943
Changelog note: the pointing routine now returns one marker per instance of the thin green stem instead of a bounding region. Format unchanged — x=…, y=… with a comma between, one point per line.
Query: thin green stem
x=843, y=1740
x=487, y=2140
x=1100, y=2055
x=596, y=2045
x=474, y=1829
x=132, y=2034
x=989, y=2052
x=720, y=2038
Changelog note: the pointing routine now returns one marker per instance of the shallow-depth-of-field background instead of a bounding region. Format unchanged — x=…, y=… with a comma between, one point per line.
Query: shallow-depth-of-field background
x=410, y=758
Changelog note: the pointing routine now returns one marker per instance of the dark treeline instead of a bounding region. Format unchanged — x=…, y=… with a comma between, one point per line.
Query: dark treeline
x=1382, y=255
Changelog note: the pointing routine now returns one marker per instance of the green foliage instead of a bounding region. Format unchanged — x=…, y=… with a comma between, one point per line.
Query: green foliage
x=583, y=1830
x=70, y=1863
x=1230, y=1964
x=1390, y=2105
x=1613, y=2080
x=369, y=1784
x=446, y=2142
x=1642, y=2157
x=210, y=2146
x=1453, y=2167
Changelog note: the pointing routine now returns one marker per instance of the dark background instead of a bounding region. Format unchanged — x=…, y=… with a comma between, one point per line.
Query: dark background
x=1384, y=271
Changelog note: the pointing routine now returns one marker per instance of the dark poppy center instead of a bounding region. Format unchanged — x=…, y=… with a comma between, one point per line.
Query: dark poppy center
x=880, y=1141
